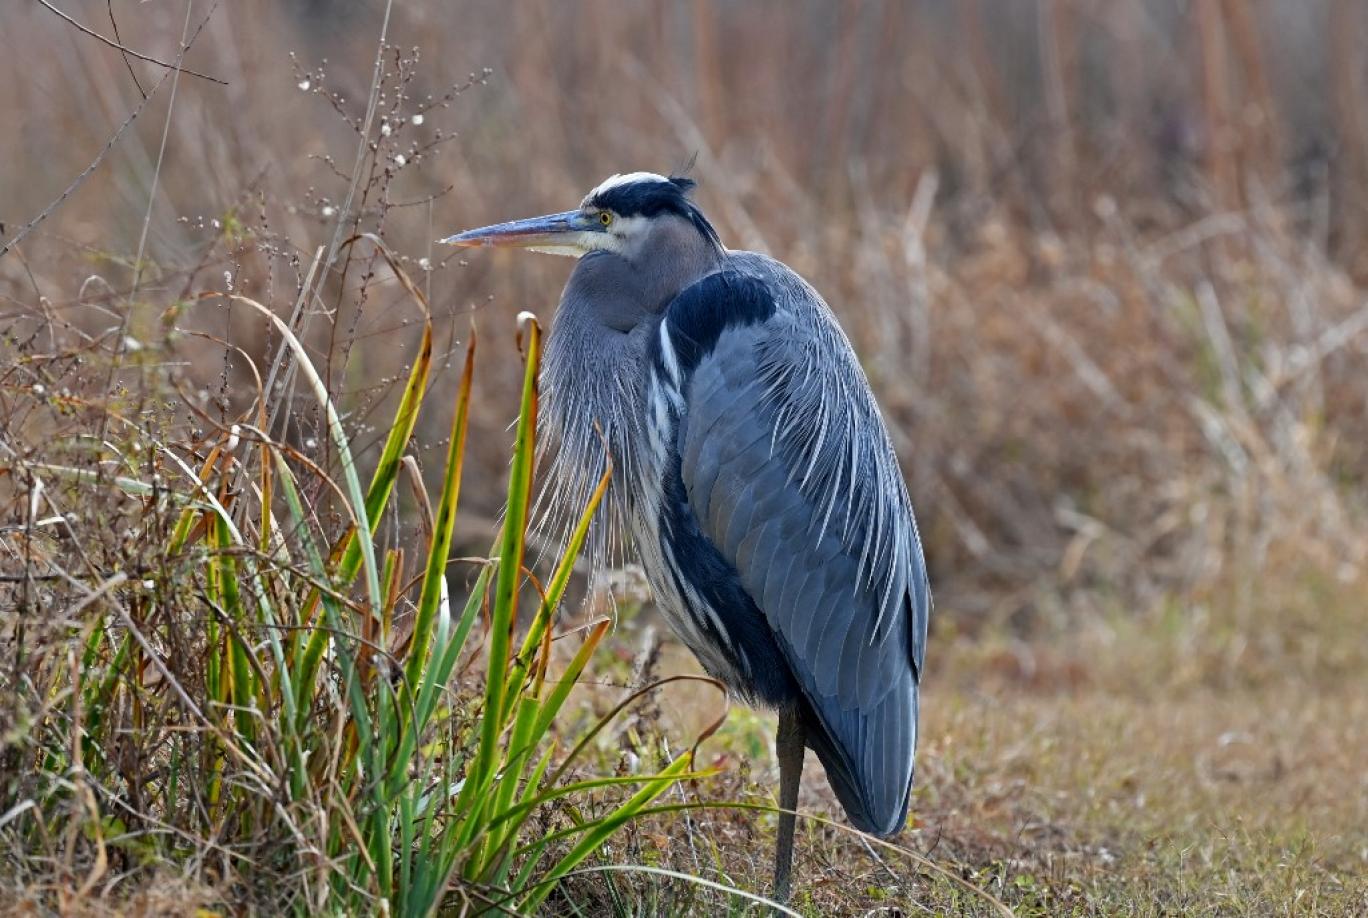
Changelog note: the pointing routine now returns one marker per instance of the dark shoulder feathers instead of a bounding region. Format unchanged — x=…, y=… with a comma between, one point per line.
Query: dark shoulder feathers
x=706, y=309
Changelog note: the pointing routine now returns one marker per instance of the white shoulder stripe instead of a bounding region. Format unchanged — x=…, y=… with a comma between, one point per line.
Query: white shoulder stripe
x=667, y=353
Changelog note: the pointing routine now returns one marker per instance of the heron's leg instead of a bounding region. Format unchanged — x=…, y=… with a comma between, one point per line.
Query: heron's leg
x=788, y=749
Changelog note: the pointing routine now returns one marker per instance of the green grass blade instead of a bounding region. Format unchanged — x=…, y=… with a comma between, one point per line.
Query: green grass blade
x=560, y=581
x=243, y=693
x=387, y=469
x=522, y=742
x=504, y=611
x=443, y=662
x=434, y=577
x=561, y=689
x=606, y=826
x=356, y=501
x=332, y=610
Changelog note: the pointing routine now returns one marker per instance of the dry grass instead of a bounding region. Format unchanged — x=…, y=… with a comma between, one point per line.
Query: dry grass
x=1192, y=761
x=1104, y=264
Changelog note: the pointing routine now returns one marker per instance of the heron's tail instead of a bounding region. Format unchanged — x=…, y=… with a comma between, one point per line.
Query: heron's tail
x=873, y=776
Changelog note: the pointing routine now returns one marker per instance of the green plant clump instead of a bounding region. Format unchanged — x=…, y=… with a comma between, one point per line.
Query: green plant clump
x=313, y=720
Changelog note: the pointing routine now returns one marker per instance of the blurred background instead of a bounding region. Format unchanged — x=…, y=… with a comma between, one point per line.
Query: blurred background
x=1103, y=260
x=1105, y=263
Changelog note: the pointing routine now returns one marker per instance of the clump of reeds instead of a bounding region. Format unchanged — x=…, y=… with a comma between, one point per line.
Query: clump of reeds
x=226, y=682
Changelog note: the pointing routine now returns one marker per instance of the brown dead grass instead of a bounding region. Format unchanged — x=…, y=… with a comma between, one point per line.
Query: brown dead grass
x=1152, y=767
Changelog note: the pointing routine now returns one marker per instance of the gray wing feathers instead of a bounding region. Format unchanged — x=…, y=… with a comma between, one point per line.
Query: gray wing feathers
x=792, y=476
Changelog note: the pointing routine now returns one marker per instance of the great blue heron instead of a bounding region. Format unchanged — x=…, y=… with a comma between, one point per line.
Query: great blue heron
x=755, y=479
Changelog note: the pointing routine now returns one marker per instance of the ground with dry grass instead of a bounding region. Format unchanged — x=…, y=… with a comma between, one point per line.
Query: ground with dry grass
x=1196, y=760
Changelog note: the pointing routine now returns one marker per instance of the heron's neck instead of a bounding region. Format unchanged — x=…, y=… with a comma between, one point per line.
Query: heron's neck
x=617, y=293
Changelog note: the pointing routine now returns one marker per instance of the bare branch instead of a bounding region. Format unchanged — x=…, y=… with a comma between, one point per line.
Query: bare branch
x=114, y=24
x=129, y=51
x=114, y=138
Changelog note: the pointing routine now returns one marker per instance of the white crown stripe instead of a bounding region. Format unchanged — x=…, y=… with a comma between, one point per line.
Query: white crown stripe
x=629, y=178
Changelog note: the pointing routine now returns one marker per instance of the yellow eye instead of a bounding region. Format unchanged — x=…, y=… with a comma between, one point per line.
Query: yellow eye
x=605, y=218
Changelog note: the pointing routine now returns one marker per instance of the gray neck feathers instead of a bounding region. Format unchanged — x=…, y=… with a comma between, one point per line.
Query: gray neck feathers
x=594, y=379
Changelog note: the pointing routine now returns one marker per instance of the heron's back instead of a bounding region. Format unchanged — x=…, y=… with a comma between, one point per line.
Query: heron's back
x=773, y=522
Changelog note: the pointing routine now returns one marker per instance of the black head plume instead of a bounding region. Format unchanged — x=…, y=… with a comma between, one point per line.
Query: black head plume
x=649, y=195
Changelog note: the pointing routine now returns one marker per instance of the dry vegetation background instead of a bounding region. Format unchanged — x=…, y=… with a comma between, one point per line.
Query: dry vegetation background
x=1106, y=264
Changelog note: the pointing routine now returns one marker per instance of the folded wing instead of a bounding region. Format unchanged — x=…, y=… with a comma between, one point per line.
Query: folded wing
x=791, y=475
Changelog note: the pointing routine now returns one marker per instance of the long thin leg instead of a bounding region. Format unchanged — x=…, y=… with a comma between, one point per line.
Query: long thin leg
x=788, y=749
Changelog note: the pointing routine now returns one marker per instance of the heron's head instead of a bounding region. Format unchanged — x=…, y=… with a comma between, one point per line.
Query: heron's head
x=626, y=214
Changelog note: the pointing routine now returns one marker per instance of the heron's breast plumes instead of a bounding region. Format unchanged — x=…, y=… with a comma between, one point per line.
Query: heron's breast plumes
x=590, y=417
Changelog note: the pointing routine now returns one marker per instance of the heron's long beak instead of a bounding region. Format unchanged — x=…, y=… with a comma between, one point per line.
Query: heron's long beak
x=559, y=234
